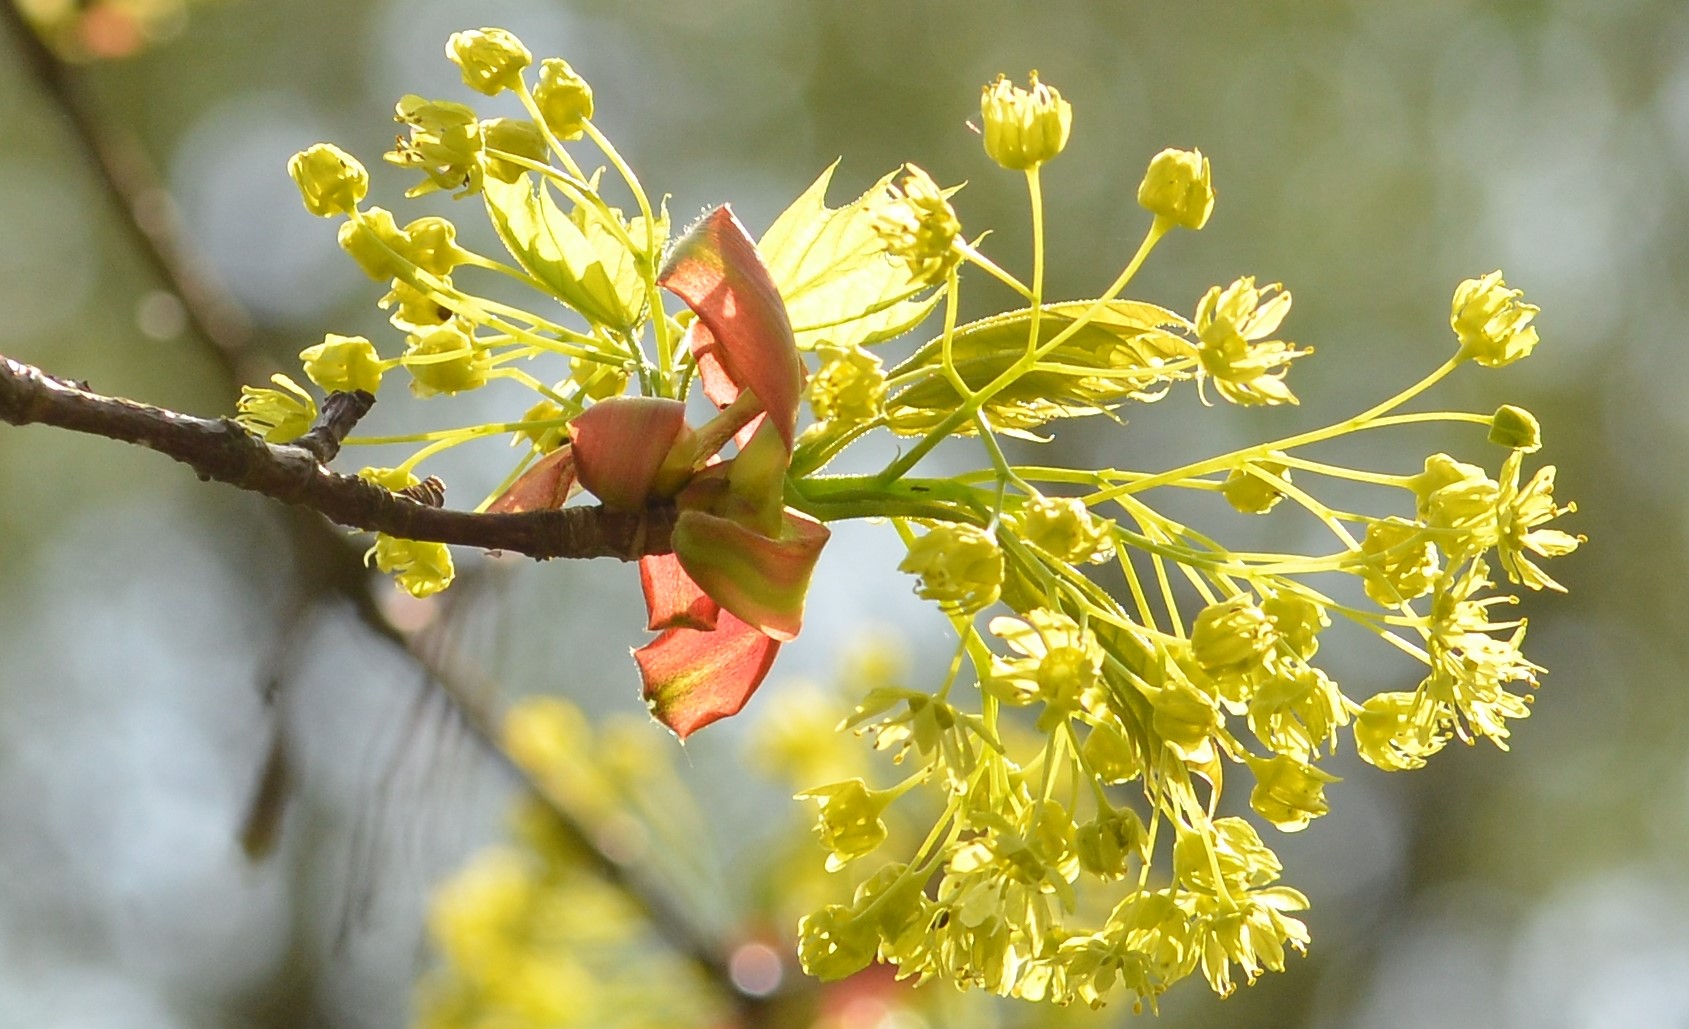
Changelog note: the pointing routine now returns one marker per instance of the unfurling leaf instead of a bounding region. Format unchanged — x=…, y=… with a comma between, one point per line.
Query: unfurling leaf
x=831, y=268
x=1125, y=352
x=551, y=247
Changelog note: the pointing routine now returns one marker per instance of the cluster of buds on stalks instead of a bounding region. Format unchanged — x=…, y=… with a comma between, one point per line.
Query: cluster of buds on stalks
x=1067, y=843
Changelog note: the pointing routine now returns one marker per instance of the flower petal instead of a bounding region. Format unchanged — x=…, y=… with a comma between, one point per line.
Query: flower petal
x=620, y=445
x=760, y=580
x=672, y=598
x=546, y=486
x=716, y=270
x=693, y=678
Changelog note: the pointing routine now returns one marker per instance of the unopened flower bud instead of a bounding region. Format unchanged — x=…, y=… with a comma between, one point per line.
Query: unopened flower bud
x=1024, y=128
x=1177, y=187
x=1108, y=842
x=1517, y=428
x=1288, y=793
x=342, y=364
x=1251, y=494
x=515, y=137
x=330, y=180
x=375, y=242
x=564, y=98
x=491, y=59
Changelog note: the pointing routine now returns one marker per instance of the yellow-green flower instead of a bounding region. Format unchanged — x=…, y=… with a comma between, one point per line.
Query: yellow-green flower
x=1461, y=499
x=1064, y=528
x=278, y=415
x=850, y=388
x=1023, y=128
x=420, y=568
x=959, y=565
x=1060, y=665
x=1521, y=510
x=1289, y=792
x=1398, y=731
x=491, y=59
x=1491, y=322
x=918, y=226
x=1177, y=187
x=330, y=180
x=1106, y=843
x=445, y=144
x=446, y=360
x=341, y=364
x=1245, y=367
x=834, y=943
x=850, y=824
x=414, y=309
x=564, y=99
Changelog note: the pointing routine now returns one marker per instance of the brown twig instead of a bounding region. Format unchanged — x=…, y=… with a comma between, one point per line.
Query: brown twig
x=220, y=449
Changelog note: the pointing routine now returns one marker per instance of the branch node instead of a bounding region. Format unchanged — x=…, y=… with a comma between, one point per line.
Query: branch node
x=340, y=413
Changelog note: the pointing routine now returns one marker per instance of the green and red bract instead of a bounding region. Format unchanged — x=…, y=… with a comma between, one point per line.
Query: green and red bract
x=733, y=589
x=743, y=339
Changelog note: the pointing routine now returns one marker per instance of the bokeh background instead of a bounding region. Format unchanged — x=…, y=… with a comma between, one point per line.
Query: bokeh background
x=161, y=639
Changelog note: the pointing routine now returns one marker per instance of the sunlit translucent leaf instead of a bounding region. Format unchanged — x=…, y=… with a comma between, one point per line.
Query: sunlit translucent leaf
x=693, y=678
x=829, y=264
x=716, y=270
x=1124, y=353
x=619, y=262
x=551, y=247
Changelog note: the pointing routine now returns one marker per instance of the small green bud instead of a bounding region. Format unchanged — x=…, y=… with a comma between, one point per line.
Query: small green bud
x=342, y=364
x=959, y=565
x=1185, y=719
x=1492, y=324
x=515, y=137
x=918, y=226
x=446, y=360
x=1517, y=428
x=491, y=59
x=564, y=99
x=278, y=415
x=330, y=180
x=419, y=568
x=431, y=244
x=1177, y=188
x=1252, y=494
x=1024, y=128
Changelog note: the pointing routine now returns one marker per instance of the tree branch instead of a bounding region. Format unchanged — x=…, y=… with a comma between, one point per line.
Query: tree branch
x=222, y=450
